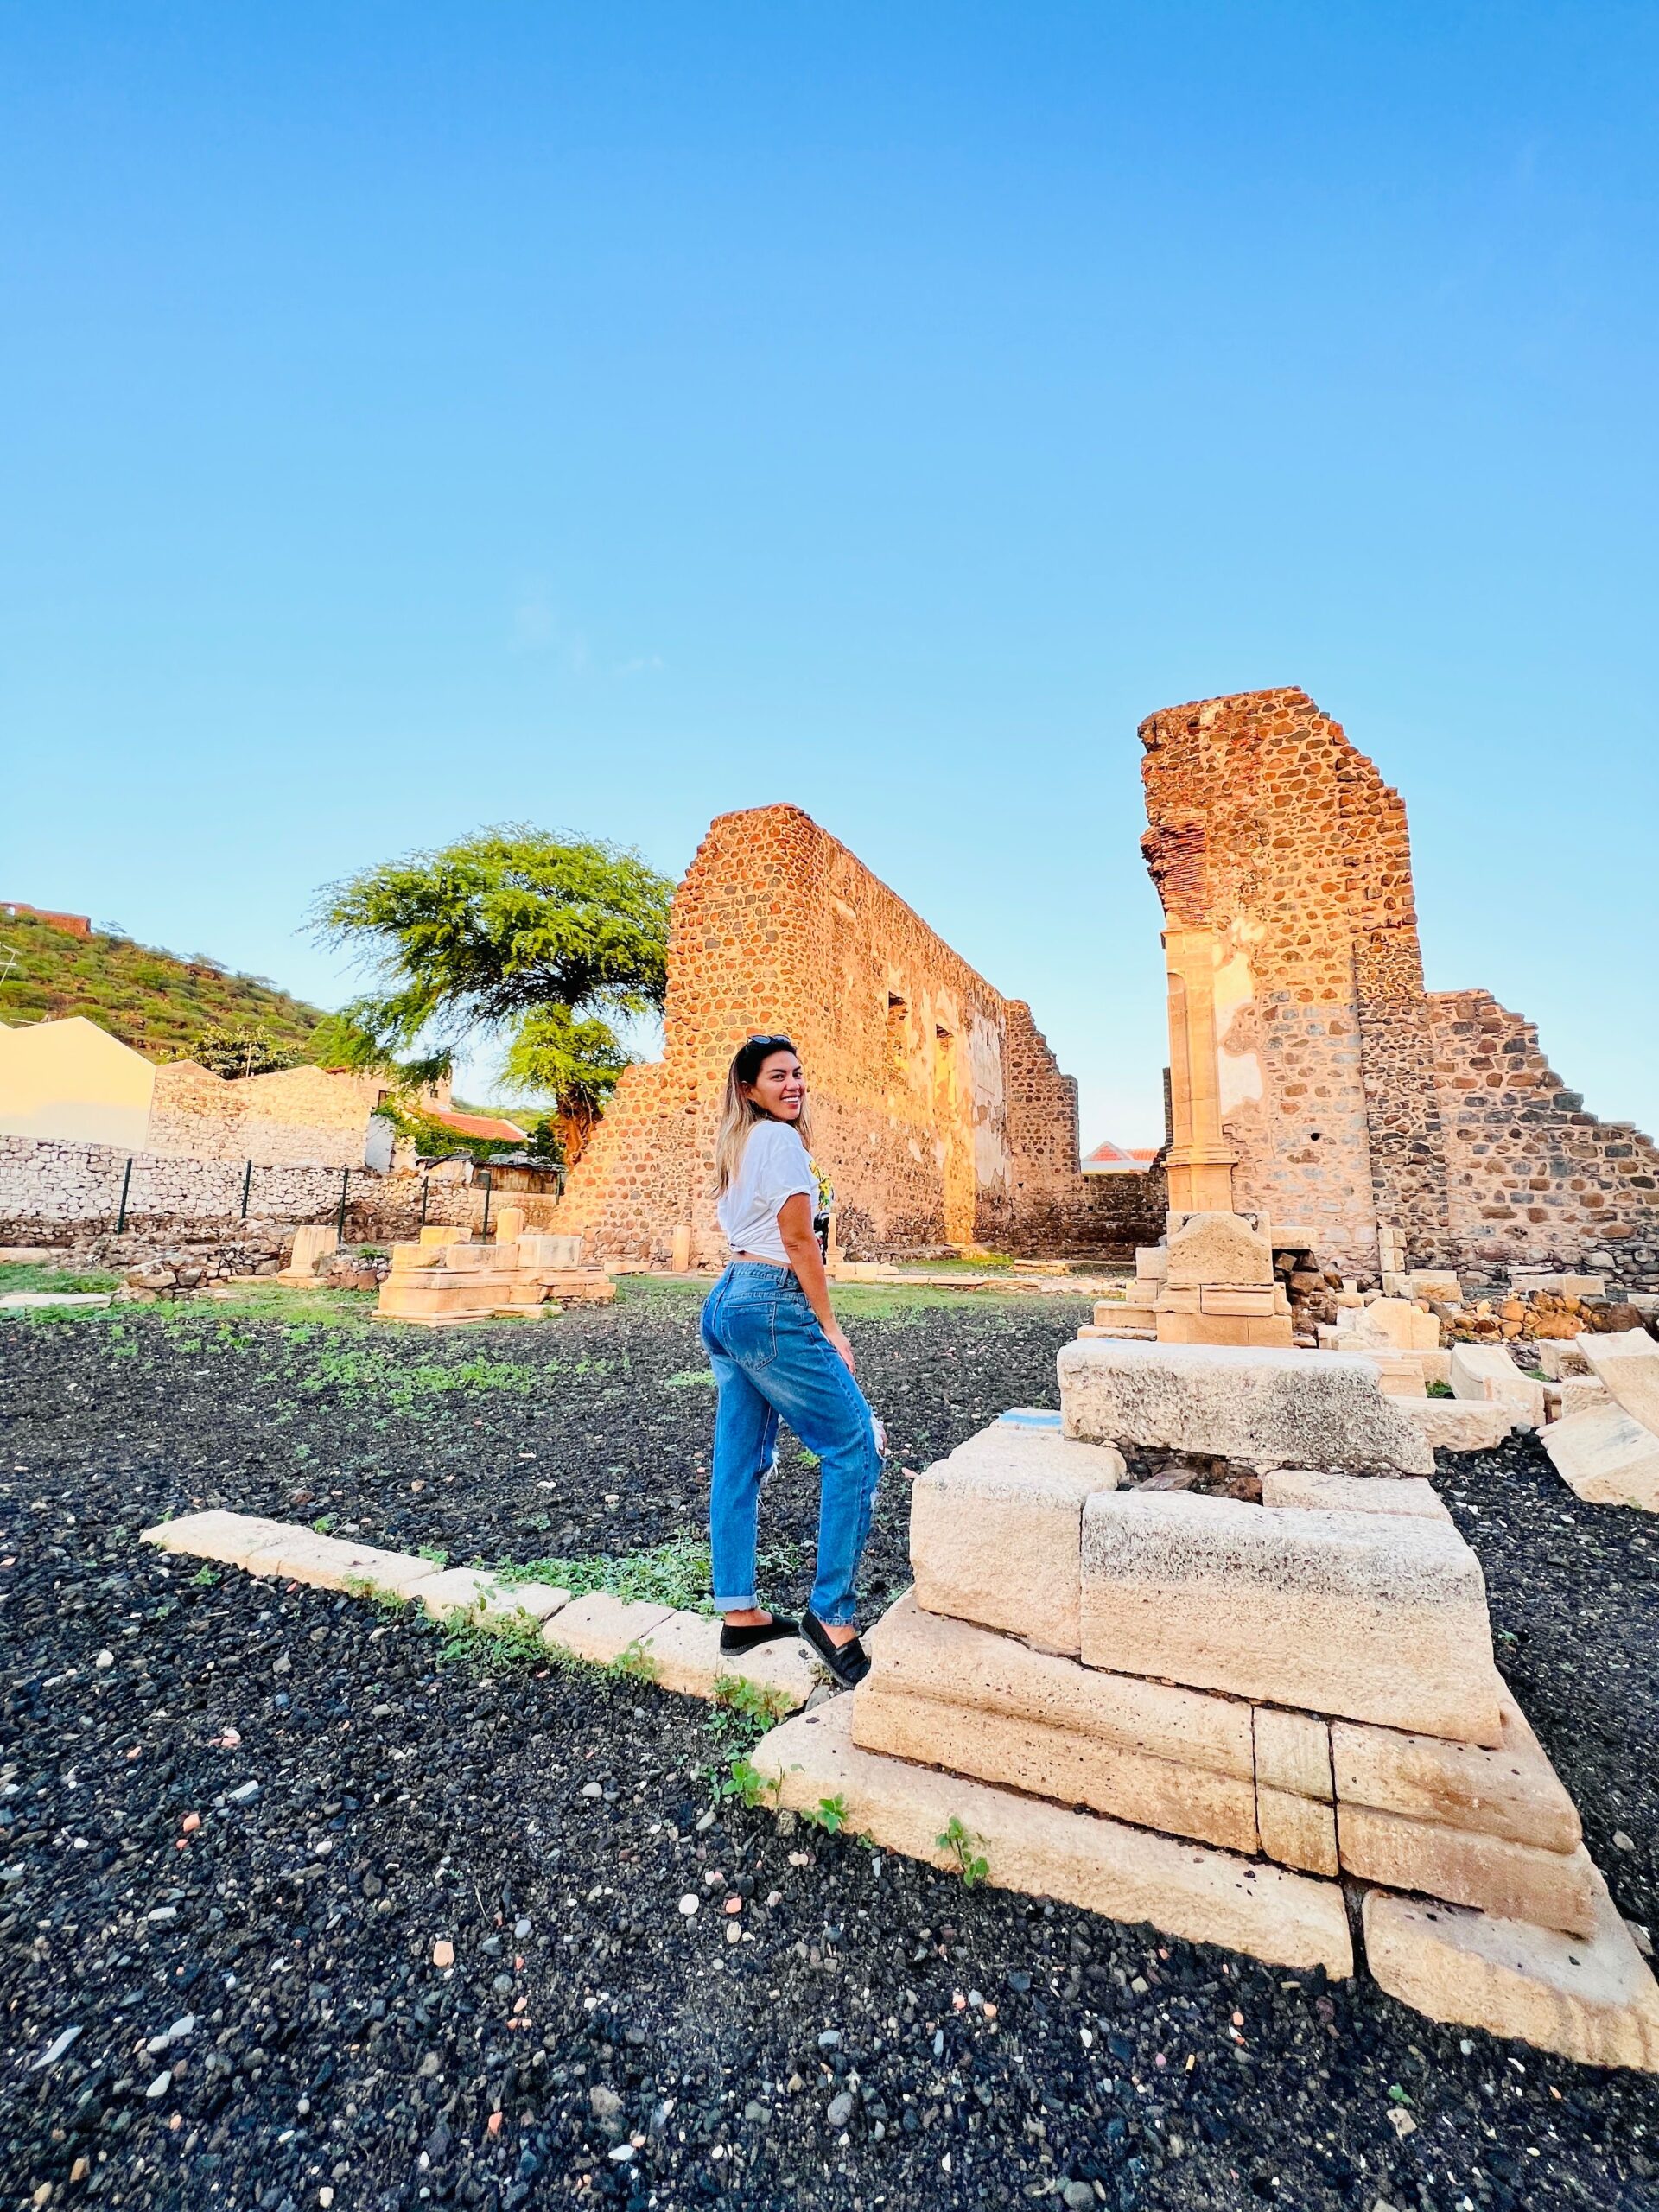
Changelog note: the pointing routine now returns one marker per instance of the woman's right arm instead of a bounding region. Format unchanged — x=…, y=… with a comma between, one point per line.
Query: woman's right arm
x=800, y=1242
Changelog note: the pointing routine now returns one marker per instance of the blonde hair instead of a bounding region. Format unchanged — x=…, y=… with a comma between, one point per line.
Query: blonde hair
x=739, y=1115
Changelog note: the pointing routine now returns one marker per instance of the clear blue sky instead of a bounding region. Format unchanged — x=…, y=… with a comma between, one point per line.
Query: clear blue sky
x=419, y=417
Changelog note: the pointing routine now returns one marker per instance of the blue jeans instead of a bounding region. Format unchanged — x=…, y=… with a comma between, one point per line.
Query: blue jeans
x=771, y=1358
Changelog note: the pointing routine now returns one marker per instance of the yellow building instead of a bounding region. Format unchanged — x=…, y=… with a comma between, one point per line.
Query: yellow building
x=72, y=1083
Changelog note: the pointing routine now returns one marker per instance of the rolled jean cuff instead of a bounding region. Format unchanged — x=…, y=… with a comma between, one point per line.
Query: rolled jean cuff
x=749, y=1604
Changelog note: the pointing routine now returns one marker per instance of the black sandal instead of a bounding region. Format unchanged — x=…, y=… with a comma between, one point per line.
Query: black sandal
x=848, y=1663
x=735, y=1640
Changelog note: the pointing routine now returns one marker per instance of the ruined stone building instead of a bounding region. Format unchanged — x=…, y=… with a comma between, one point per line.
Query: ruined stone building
x=1314, y=1078
x=940, y=1115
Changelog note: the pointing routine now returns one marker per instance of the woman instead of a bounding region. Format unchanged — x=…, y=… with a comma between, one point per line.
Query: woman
x=778, y=1352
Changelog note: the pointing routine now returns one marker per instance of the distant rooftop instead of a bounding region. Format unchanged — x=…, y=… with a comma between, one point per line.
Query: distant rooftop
x=481, y=1125
x=1110, y=1159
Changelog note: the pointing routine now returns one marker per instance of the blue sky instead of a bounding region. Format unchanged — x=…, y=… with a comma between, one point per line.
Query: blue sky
x=605, y=416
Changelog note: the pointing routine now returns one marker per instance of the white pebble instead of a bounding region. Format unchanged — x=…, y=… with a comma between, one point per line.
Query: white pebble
x=689, y=1904
x=160, y=2085
x=105, y=1659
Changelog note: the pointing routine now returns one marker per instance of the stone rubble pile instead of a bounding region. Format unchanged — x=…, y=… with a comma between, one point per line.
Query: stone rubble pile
x=450, y=1276
x=1211, y=1714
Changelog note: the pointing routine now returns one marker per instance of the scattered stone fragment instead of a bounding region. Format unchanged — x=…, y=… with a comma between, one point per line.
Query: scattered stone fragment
x=1606, y=1458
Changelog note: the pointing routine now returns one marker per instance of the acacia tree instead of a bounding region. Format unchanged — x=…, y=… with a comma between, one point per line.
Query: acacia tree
x=534, y=942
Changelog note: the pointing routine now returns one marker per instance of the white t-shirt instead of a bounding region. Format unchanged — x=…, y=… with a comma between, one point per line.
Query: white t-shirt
x=774, y=1167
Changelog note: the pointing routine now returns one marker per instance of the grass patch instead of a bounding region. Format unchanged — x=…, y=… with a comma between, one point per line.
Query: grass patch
x=372, y=1369
x=677, y=1573
x=24, y=1275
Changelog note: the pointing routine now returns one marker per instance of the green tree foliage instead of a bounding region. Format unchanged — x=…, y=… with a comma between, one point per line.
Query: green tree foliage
x=539, y=942
x=241, y=1048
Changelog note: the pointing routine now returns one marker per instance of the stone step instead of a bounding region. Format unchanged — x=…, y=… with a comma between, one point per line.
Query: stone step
x=1409, y=1495
x=680, y=1650
x=1371, y=1616
x=1592, y=2001
x=1509, y=1791
x=1516, y=1881
x=995, y=1529
x=1262, y=1407
x=1126, y=1873
x=474, y=1594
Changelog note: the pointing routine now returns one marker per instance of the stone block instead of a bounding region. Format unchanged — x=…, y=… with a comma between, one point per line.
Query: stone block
x=1218, y=1248
x=1297, y=1830
x=1594, y=2002
x=1293, y=1753
x=1459, y=1424
x=1406, y=1494
x=1395, y=1323
x=923, y=1655
x=1606, y=1458
x=1439, y=1285
x=1509, y=1791
x=1627, y=1362
x=1256, y=1301
x=1575, y=1393
x=508, y=1223
x=231, y=1538
x=1398, y=1374
x=1487, y=1371
x=312, y=1242
x=1548, y=1889
x=1561, y=1361
x=600, y=1627
x=1057, y=1763
x=1126, y=1873
x=474, y=1593
x=435, y=1235
x=1373, y=1617
x=334, y=1563
x=1434, y=1366
x=683, y=1653
x=1266, y=1408
x=1124, y=1313
x=995, y=1528
x=1265, y=1332
x=543, y=1251
x=1152, y=1262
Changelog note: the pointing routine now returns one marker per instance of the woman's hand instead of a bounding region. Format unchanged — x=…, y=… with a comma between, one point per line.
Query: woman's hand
x=838, y=1341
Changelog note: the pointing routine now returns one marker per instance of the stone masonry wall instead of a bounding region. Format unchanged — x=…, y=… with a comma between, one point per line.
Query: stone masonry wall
x=1349, y=1094
x=300, y=1116
x=939, y=1113
x=45, y=1182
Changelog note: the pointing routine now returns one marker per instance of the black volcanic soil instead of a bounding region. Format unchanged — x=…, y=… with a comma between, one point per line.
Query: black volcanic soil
x=877, y=2033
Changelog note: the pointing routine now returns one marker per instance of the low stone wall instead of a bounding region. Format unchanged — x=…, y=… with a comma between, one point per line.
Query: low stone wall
x=45, y=1183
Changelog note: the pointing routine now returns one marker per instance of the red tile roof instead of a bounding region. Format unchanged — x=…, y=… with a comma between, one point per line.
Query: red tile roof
x=1111, y=1154
x=481, y=1125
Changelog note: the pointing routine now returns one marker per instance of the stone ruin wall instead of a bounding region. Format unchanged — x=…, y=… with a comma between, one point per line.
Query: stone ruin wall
x=939, y=1113
x=300, y=1116
x=1349, y=1094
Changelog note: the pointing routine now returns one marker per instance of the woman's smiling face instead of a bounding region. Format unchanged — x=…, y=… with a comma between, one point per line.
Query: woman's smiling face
x=779, y=1087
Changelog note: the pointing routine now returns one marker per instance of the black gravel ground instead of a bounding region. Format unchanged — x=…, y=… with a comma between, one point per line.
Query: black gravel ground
x=547, y=1822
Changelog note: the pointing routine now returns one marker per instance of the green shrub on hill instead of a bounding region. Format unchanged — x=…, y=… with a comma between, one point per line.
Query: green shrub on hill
x=163, y=1007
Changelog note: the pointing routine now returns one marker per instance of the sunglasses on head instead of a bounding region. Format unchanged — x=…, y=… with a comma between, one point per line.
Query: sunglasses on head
x=790, y=1041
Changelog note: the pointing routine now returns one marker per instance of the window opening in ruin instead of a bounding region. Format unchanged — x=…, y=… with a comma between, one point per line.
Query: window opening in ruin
x=897, y=1031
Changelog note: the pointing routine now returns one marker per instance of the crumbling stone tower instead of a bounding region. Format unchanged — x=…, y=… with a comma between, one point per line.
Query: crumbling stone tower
x=1313, y=1077
x=940, y=1114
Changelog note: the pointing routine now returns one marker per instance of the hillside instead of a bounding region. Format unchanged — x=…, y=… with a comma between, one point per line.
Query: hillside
x=150, y=999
